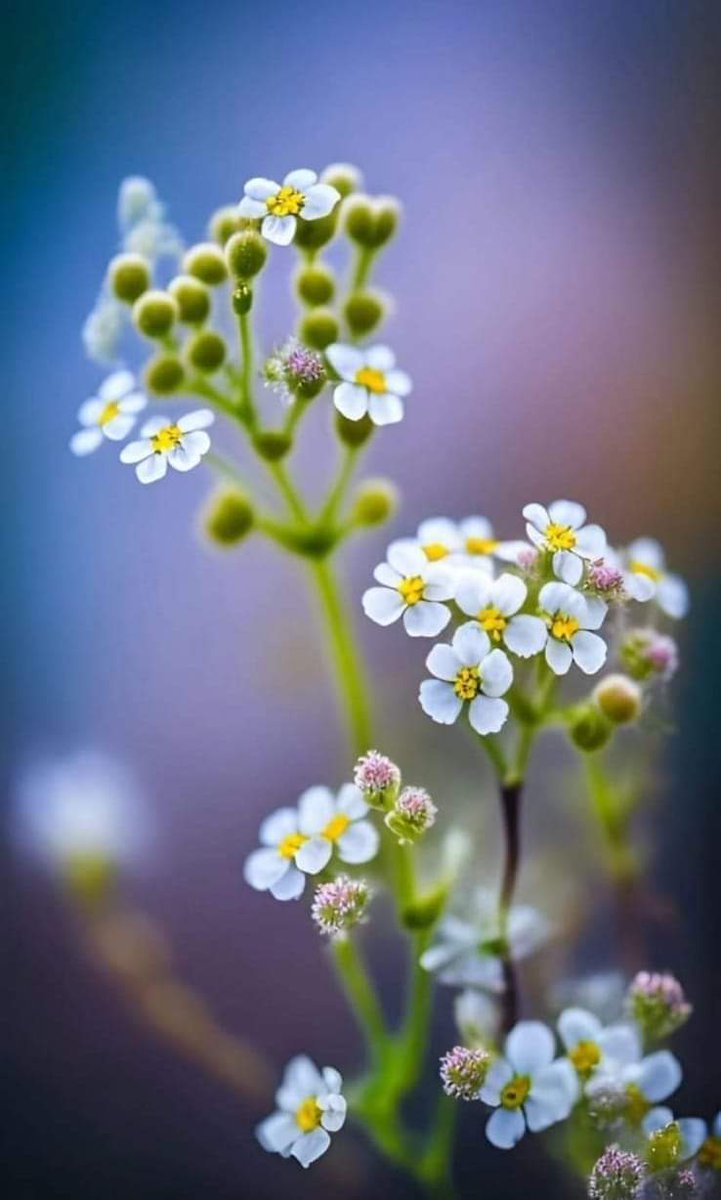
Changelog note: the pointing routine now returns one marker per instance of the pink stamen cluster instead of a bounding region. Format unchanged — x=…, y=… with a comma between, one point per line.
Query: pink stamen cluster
x=647, y=652
x=606, y=581
x=658, y=1003
x=527, y=558
x=295, y=370
x=415, y=806
x=617, y=1175
x=376, y=776
x=339, y=904
x=303, y=365
x=463, y=1072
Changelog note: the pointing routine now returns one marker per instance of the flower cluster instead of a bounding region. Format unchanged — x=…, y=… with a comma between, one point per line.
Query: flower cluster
x=339, y=904
x=463, y=1072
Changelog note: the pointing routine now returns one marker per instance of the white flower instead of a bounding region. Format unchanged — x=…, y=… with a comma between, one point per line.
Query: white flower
x=412, y=588
x=477, y=1016
x=465, y=952
x=672, y=1140
x=467, y=543
x=527, y=1087
x=142, y=219
x=645, y=1081
x=331, y=823
x=467, y=671
x=494, y=604
x=110, y=414
x=569, y=619
x=646, y=576
x=279, y=205
x=103, y=329
x=181, y=443
x=561, y=531
x=372, y=384
x=273, y=868
x=590, y=1046
x=310, y=1108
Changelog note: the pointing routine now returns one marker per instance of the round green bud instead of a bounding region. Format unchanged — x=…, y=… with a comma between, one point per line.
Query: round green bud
x=374, y=502
x=224, y=223
x=193, y=299
x=344, y=177
x=363, y=311
x=245, y=254
x=205, y=261
x=129, y=277
x=155, y=313
x=353, y=433
x=590, y=729
x=619, y=699
x=312, y=235
x=315, y=285
x=207, y=351
x=164, y=374
x=272, y=444
x=387, y=217
x=319, y=328
x=359, y=220
x=229, y=517
x=242, y=299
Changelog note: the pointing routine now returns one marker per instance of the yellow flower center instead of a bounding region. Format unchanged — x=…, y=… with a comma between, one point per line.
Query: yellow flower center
x=412, y=589
x=308, y=1114
x=564, y=627
x=374, y=380
x=285, y=203
x=515, y=1093
x=493, y=621
x=585, y=1057
x=560, y=537
x=467, y=684
x=636, y=1104
x=166, y=439
x=336, y=827
x=642, y=568
x=291, y=844
x=664, y=1147
x=477, y=545
x=109, y=413
x=710, y=1153
x=435, y=550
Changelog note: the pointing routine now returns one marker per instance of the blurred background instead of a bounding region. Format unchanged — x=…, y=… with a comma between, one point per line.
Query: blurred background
x=557, y=304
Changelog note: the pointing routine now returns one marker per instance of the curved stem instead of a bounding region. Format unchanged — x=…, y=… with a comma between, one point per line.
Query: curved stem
x=348, y=670
x=361, y=995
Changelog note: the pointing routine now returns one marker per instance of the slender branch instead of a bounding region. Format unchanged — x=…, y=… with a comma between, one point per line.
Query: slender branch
x=361, y=995
x=348, y=670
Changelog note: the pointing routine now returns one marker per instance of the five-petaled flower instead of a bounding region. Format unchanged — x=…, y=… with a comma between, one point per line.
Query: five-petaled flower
x=589, y=1046
x=310, y=1107
x=527, y=1088
x=371, y=384
x=646, y=576
x=560, y=530
x=469, y=672
x=181, y=443
x=645, y=1082
x=111, y=414
x=278, y=206
x=495, y=604
x=331, y=824
x=570, y=618
x=463, y=544
x=411, y=587
x=466, y=950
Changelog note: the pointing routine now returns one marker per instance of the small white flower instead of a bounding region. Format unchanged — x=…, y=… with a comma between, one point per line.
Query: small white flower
x=561, y=531
x=672, y=1140
x=467, y=543
x=111, y=414
x=279, y=205
x=645, y=1081
x=527, y=1088
x=569, y=618
x=590, y=1046
x=372, y=384
x=181, y=443
x=103, y=329
x=495, y=604
x=310, y=1107
x=646, y=577
x=477, y=1016
x=467, y=672
x=465, y=951
x=273, y=868
x=412, y=588
x=332, y=823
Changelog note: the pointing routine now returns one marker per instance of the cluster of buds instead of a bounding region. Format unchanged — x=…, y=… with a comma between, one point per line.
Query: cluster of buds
x=339, y=904
x=412, y=814
x=463, y=1072
x=647, y=653
x=617, y=1175
x=657, y=1004
x=378, y=778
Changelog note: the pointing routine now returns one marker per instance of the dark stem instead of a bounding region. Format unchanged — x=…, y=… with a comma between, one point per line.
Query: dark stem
x=511, y=811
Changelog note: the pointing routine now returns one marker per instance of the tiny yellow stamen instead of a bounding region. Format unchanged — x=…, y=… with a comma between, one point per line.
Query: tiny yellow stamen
x=477, y=545
x=493, y=621
x=467, y=683
x=291, y=844
x=637, y=1106
x=336, y=827
x=412, y=589
x=308, y=1114
x=710, y=1153
x=374, y=380
x=435, y=550
x=285, y=203
x=585, y=1057
x=564, y=627
x=560, y=537
x=109, y=413
x=166, y=439
x=515, y=1093
x=642, y=568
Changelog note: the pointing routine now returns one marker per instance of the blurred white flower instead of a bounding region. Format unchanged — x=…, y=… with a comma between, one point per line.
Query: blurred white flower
x=646, y=576
x=466, y=951
x=111, y=414
x=181, y=443
x=470, y=543
x=590, y=1046
x=103, y=329
x=527, y=1088
x=311, y=1106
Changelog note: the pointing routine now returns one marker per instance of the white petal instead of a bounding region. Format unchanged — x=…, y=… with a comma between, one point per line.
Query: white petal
x=202, y=418
x=278, y=825
x=311, y=1146
x=119, y=428
x=350, y=801
x=672, y=597
x=153, y=425
x=439, y=701
x=386, y=575
x=647, y=551
x=290, y=886
x=91, y=411
x=85, y=441
x=525, y=635
x=406, y=557
x=135, y=451
x=151, y=469
x=499, y=1074
x=277, y=1133
x=279, y=230
x=385, y=409
x=559, y=1077
x=443, y=662
x=471, y=644
x=314, y=855
x=567, y=512
x=591, y=541
x=693, y=1133
x=134, y=403
x=511, y=552
x=473, y=593
x=657, y=1118
x=359, y=843
x=196, y=443
x=440, y=582
x=567, y=566
x=426, y=619
x=589, y=651
x=487, y=715
x=505, y=1128
x=345, y=360
x=320, y=200
x=383, y=605
x=559, y=656
x=535, y=536
x=496, y=674
x=596, y=610
x=301, y=1078
x=556, y=597
x=537, y=515
x=116, y=386
x=334, y=1112
x=577, y=1025
x=263, y=868
x=530, y=1046
x=332, y=1079
x=380, y=358
x=181, y=458
x=351, y=400
x=544, y=1107
x=620, y=1043
x=639, y=587
x=399, y=383
x=301, y=179
x=316, y=807
x=509, y=593
x=253, y=210
x=659, y=1075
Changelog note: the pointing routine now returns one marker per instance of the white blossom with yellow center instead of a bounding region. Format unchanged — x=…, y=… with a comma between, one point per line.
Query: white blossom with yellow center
x=570, y=618
x=561, y=531
x=111, y=414
x=495, y=604
x=646, y=577
x=371, y=383
x=411, y=588
x=278, y=205
x=527, y=1087
x=590, y=1046
x=468, y=672
x=273, y=868
x=181, y=443
x=334, y=825
x=470, y=543
x=310, y=1106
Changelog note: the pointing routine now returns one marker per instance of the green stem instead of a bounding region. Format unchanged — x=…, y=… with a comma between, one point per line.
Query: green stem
x=245, y=329
x=337, y=492
x=288, y=491
x=362, y=267
x=361, y=995
x=348, y=670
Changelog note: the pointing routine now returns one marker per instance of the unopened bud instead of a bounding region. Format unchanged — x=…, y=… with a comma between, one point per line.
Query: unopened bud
x=245, y=254
x=412, y=814
x=344, y=177
x=371, y=223
x=128, y=276
x=646, y=652
x=316, y=285
x=378, y=778
x=617, y=1175
x=463, y=1072
x=590, y=729
x=229, y=517
x=375, y=502
x=353, y=433
x=193, y=299
x=312, y=235
x=657, y=1004
x=164, y=374
x=242, y=299
x=206, y=351
x=155, y=313
x=319, y=328
x=224, y=223
x=363, y=311
x=272, y=444
x=619, y=698
x=206, y=263
x=339, y=904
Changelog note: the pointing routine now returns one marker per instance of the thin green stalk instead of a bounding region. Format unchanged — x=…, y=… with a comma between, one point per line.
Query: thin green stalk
x=245, y=329
x=361, y=995
x=288, y=491
x=338, y=490
x=348, y=670
x=362, y=267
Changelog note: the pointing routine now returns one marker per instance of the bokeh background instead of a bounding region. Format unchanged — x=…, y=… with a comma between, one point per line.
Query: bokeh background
x=556, y=282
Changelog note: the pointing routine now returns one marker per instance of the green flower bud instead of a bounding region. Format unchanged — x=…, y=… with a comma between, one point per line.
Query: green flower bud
x=193, y=299
x=619, y=698
x=363, y=311
x=319, y=328
x=315, y=285
x=207, y=351
x=590, y=729
x=229, y=517
x=245, y=254
x=374, y=502
x=224, y=223
x=388, y=215
x=312, y=235
x=353, y=433
x=242, y=299
x=205, y=261
x=164, y=374
x=371, y=223
x=425, y=911
x=129, y=277
x=272, y=444
x=344, y=177
x=155, y=313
